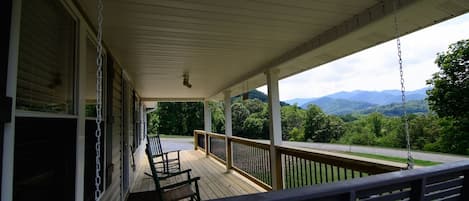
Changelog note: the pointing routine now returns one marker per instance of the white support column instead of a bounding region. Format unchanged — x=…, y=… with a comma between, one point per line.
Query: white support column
x=207, y=117
x=81, y=105
x=228, y=130
x=9, y=129
x=228, y=125
x=275, y=128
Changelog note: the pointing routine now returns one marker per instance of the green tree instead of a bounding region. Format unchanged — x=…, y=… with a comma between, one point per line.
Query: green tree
x=177, y=118
x=335, y=128
x=292, y=117
x=254, y=105
x=193, y=114
x=376, y=120
x=239, y=114
x=218, y=117
x=449, y=97
x=153, y=122
x=297, y=134
x=170, y=115
x=315, y=124
x=359, y=132
x=254, y=127
x=423, y=130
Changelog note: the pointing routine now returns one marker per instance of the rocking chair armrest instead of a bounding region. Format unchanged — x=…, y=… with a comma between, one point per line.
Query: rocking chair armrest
x=189, y=181
x=177, y=173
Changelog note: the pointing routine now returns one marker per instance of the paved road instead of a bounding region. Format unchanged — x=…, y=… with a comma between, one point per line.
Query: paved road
x=171, y=144
x=437, y=157
x=187, y=144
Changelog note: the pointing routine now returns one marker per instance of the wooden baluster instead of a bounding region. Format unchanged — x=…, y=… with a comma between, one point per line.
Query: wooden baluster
x=229, y=161
x=207, y=144
x=196, y=139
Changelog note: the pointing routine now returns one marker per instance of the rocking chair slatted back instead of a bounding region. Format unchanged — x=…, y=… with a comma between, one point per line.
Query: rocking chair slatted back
x=188, y=188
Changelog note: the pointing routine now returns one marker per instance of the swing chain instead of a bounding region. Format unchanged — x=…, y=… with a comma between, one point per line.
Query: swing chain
x=99, y=101
x=410, y=160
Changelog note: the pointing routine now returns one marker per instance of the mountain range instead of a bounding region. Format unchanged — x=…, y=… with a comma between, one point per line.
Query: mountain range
x=387, y=102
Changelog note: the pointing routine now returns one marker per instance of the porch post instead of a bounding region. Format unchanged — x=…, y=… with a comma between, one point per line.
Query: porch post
x=207, y=125
x=8, y=129
x=81, y=122
x=207, y=117
x=275, y=128
x=228, y=129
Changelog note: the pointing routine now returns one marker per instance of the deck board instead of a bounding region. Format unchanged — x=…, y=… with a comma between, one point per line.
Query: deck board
x=214, y=182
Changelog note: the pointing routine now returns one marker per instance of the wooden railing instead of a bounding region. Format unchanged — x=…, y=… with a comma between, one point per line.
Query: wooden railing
x=296, y=167
x=217, y=146
x=252, y=160
x=199, y=140
x=304, y=168
x=449, y=181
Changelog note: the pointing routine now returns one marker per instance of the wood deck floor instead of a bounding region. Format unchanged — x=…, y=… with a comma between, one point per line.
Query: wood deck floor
x=214, y=181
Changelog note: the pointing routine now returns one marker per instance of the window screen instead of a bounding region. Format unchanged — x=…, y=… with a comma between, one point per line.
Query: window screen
x=46, y=58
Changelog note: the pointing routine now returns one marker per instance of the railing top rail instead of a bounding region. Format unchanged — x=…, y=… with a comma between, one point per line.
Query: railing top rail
x=373, y=167
x=216, y=135
x=355, y=185
x=249, y=142
x=351, y=162
x=240, y=140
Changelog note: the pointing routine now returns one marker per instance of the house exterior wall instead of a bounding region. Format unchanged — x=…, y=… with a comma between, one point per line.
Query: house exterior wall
x=114, y=119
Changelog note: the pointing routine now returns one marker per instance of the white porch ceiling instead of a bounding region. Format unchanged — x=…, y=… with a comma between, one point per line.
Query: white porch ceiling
x=228, y=44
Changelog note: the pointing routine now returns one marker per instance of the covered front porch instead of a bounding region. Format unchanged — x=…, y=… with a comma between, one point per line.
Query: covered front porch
x=214, y=182
x=240, y=169
x=156, y=51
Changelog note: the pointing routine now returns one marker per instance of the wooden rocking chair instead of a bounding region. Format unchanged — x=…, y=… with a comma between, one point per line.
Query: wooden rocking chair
x=188, y=188
x=163, y=163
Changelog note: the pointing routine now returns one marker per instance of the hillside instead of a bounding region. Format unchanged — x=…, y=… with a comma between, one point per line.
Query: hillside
x=365, y=102
x=395, y=109
x=374, y=97
x=255, y=94
x=338, y=106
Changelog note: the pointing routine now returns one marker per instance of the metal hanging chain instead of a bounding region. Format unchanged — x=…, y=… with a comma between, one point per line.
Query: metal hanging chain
x=99, y=101
x=410, y=160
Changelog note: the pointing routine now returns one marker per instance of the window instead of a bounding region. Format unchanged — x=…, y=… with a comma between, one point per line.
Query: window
x=46, y=73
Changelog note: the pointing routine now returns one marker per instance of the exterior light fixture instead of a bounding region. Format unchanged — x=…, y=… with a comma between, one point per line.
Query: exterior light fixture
x=185, y=80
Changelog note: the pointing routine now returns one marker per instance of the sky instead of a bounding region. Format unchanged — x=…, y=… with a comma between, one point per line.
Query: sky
x=359, y=71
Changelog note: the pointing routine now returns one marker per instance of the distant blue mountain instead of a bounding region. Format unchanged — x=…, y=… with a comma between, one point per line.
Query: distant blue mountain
x=395, y=109
x=380, y=97
x=339, y=106
x=299, y=101
x=373, y=97
x=359, y=101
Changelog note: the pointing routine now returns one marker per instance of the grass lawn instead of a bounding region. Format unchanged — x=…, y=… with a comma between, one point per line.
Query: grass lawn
x=393, y=159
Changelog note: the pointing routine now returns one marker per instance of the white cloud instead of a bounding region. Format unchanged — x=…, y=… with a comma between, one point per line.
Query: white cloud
x=377, y=68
